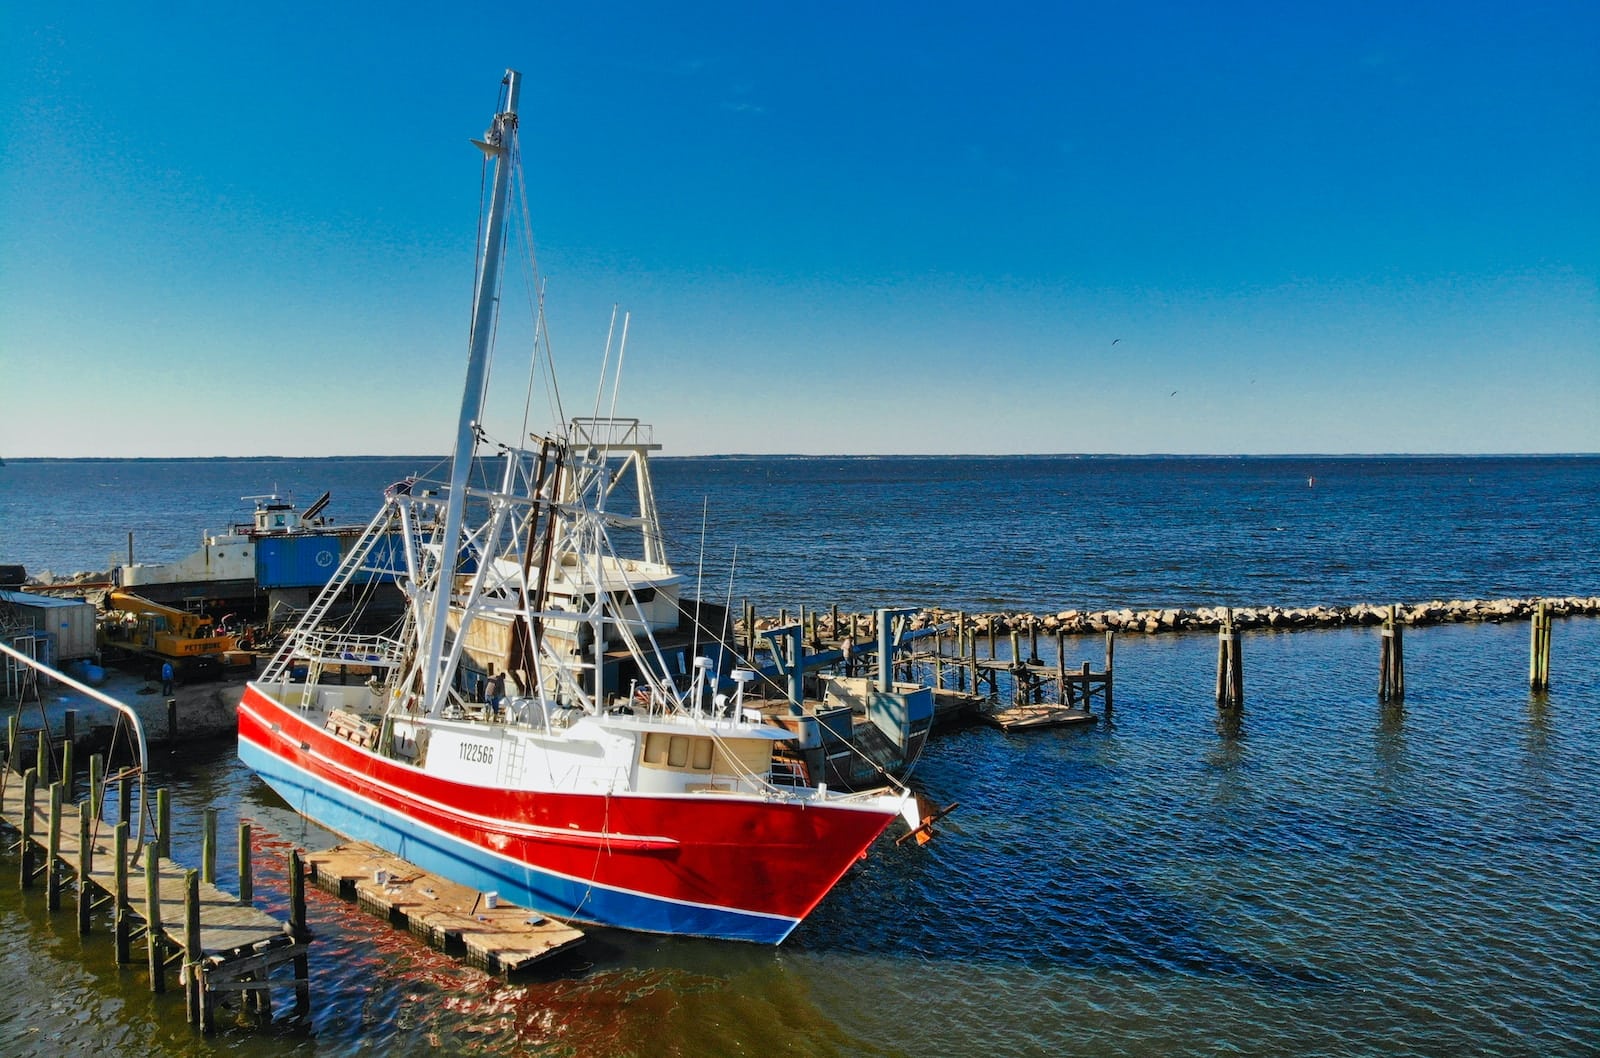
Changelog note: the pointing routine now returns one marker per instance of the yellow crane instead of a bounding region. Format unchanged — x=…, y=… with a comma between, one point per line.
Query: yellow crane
x=138, y=625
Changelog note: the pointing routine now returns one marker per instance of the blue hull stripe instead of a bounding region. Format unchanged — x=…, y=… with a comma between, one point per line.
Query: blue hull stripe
x=466, y=864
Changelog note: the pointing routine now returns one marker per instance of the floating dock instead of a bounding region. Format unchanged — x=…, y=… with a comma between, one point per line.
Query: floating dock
x=1038, y=715
x=485, y=931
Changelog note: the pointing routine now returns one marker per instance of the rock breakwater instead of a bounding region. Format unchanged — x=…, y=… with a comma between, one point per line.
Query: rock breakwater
x=1210, y=618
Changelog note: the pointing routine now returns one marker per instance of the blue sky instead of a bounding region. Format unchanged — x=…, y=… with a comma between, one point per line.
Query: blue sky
x=838, y=228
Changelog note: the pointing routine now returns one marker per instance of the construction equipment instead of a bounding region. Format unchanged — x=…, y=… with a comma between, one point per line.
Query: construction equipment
x=189, y=641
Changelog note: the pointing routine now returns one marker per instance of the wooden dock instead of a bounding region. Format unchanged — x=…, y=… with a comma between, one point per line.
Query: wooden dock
x=501, y=939
x=1014, y=690
x=219, y=944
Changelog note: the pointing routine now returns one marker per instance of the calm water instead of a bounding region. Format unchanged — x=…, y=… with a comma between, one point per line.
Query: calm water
x=1333, y=877
x=1036, y=533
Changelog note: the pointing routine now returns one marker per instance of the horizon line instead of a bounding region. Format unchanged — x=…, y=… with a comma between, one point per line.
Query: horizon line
x=859, y=455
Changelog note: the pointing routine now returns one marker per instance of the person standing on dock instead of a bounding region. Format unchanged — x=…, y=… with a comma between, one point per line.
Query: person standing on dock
x=166, y=679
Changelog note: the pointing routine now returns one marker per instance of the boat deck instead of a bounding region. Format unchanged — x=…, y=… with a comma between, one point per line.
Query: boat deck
x=502, y=939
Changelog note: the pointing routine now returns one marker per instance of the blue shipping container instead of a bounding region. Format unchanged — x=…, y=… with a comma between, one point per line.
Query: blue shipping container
x=296, y=561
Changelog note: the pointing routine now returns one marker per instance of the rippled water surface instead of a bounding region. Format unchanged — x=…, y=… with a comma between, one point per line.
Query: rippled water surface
x=1328, y=876
x=1041, y=533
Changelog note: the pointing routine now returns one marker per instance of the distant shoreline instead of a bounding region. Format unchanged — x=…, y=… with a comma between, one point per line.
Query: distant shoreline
x=1171, y=456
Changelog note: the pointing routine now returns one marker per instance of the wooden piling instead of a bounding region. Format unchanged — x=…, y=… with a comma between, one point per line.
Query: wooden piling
x=52, y=877
x=1063, y=688
x=1391, y=658
x=97, y=786
x=297, y=896
x=125, y=797
x=163, y=823
x=43, y=763
x=298, y=929
x=68, y=743
x=30, y=788
x=969, y=655
x=208, y=848
x=1230, y=665
x=193, y=953
x=1111, y=650
x=121, y=913
x=1021, y=691
x=1539, y=654
x=172, y=719
x=13, y=738
x=152, y=919
x=246, y=887
x=85, y=871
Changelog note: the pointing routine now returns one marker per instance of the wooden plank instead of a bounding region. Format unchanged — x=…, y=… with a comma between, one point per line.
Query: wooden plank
x=258, y=962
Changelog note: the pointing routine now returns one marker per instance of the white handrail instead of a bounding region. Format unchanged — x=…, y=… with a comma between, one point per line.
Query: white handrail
x=104, y=699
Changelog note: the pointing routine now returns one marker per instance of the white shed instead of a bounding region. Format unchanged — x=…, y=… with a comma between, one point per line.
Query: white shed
x=70, y=623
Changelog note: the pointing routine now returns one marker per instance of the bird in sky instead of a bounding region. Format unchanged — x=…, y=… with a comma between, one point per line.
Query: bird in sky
x=1114, y=341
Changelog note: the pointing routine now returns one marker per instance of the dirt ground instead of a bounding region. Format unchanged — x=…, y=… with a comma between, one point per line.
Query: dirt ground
x=205, y=710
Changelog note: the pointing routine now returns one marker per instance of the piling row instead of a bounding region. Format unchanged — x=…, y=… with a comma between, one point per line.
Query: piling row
x=967, y=685
x=217, y=944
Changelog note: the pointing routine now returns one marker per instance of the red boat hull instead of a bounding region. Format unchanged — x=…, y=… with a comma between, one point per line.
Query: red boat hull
x=739, y=867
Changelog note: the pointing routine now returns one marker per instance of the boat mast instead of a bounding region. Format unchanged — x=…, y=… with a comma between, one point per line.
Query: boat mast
x=497, y=145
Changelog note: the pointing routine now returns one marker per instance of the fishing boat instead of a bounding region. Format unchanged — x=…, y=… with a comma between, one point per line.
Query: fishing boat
x=546, y=721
